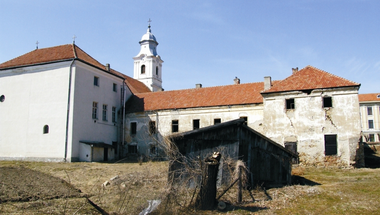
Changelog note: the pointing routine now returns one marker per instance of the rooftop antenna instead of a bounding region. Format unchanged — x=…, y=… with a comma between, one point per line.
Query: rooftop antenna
x=37, y=44
x=74, y=39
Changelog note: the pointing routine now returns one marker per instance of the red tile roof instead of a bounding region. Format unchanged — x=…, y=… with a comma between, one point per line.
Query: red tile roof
x=197, y=97
x=65, y=53
x=310, y=78
x=369, y=97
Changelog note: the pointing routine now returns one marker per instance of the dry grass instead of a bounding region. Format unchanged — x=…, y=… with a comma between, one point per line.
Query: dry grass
x=321, y=191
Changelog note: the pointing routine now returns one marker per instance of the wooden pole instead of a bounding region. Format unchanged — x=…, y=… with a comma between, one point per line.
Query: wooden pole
x=206, y=198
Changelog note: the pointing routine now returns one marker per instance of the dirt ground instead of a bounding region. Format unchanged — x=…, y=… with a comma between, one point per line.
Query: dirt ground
x=126, y=188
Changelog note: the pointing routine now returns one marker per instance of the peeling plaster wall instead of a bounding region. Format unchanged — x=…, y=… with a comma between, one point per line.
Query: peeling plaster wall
x=309, y=122
x=185, y=117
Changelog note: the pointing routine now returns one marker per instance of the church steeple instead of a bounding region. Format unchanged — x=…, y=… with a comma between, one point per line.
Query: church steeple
x=147, y=63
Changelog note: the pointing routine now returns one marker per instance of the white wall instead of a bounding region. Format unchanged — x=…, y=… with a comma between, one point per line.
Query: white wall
x=34, y=97
x=309, y=122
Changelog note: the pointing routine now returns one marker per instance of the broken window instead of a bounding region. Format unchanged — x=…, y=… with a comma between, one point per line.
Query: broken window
x=143, y=69
x=245, y=119
x=369, y=111
x=330, y=144
x=327, y=102
x=370, y=124
x=132, y=149
x=195, y=124
x=152, y=127
x=153, y=149
x=289, y=104
x=174, y=126
x=217, y=121
x=133, y=128
x=46, y=129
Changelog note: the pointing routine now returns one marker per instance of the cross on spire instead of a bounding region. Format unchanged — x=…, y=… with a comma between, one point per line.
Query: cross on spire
x=74, y=39
x=149, y=22
x=37, y=44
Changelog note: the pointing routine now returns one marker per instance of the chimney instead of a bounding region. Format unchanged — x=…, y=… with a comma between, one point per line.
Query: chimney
x=294, y=70
x=198, y=86
x=236, y=80
x=108, y=67
x=267, y=82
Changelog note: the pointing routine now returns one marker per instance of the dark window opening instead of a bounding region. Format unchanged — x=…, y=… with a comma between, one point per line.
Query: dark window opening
x=133, y=128
x=114, y=87
x=153, y=149
x=96, y=81
x=370, y=124
x=371, y=138
x=245, y=120
x=132, y=149
x=46, y=129
x=143, y=69
x=327, y=102
x=195, y=124
x=2, y=98
x=174, y=126
x=114, y=145
x=113, y=114
x=292, y=146
x=157, y=70
x=152, y=127
x=330, y=144
x=217, y=121
x=369, y=111
x=290, y=104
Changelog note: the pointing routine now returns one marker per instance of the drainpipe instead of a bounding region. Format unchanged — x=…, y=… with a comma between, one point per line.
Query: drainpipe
x=121, y=152
x=68, y=109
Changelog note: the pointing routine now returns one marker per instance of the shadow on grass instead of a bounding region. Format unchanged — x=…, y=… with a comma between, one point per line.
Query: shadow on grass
x=229, y=208
x=371, y=155
x=299, y=180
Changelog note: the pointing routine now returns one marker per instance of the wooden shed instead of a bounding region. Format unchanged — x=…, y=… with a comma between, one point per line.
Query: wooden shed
x=269, y=164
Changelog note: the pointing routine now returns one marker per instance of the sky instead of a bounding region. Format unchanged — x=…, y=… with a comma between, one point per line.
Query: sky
x=208, y=42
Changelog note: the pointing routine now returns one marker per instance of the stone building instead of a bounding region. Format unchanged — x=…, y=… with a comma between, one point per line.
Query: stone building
x=370, y=115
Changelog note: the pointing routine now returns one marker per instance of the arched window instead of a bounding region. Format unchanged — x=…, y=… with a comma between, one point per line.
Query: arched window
x=157, y=70
x=143, y=69
x=46, y=129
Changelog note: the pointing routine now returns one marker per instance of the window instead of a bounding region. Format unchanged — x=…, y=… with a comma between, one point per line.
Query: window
x=217, y=121
x=369, y=111
x=96, y=81
x=133, y=128
x=143, y=69
x=2, y=98
x=245, y=119
x=114, y=87
x=290, y=104
x=157, y=70
x=371, y=138
x=46, y=129
x=152, y=127
x=114, y=145
x=132, y=149
x=195, y=124
x=330, y=144
x=104, y=113
x=327, y=102
x=153, y=149
x=174, y=126
x=113, y=114
x=370, y=124
x=94, y=110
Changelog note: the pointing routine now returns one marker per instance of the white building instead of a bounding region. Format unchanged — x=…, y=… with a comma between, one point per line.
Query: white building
x=370, y=115
x=60, y=104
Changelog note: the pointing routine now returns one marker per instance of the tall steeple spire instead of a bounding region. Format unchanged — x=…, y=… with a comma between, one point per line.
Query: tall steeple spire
x=147, y=63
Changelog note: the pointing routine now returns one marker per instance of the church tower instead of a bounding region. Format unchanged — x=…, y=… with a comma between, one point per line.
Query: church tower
x=148, y=64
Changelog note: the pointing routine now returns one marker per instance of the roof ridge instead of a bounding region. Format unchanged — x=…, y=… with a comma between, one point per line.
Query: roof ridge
x=321, y=70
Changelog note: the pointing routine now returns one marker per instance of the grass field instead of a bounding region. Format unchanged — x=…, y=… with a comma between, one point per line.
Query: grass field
x=63, y=188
